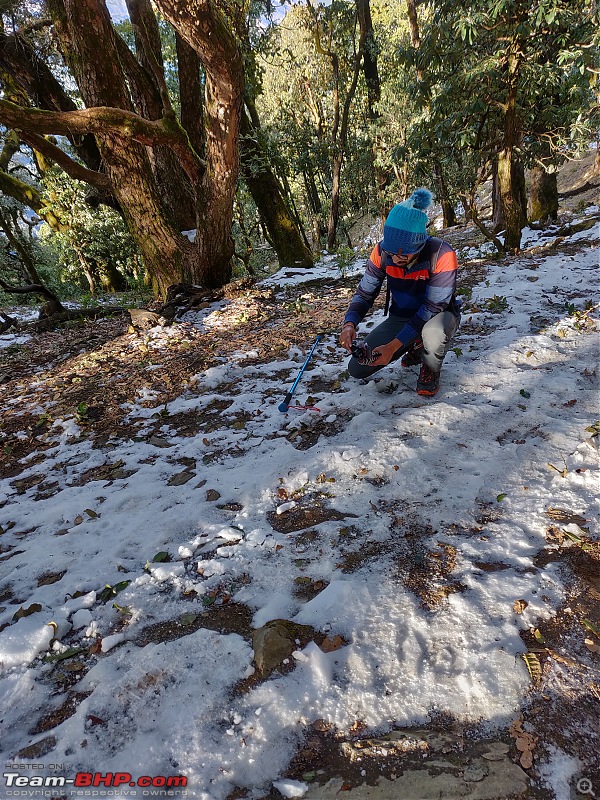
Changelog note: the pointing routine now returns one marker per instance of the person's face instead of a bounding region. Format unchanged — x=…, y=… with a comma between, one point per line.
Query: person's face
x=399, y=259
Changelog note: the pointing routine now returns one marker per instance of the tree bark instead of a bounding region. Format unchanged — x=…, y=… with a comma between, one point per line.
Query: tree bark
x=370, y=53
x=203, y=26
x=191, y=100
x=543, y=195
x=51, y=306
x=339, y=149
x=444, y=198
x=497, y=215
x=19, y=60
x=267, y=193
x=511, y=173
x=174, y=188
x=29, y=196
x=414, y=30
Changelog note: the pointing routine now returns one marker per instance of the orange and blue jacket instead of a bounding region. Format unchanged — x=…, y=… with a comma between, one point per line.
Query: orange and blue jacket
x=418, y=292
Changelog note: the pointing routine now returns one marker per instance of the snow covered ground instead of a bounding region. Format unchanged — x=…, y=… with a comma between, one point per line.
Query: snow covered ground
x=465, y=478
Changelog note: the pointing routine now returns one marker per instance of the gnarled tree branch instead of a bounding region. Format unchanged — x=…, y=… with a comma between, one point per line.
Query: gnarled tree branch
x=53, y=153
x=102, y=121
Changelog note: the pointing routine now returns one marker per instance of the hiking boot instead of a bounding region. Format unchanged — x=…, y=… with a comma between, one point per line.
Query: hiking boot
x=428, y=383
x=412, y=357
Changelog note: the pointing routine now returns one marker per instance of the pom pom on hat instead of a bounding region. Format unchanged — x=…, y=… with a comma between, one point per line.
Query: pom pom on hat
x=420, y=198
x=405, y=228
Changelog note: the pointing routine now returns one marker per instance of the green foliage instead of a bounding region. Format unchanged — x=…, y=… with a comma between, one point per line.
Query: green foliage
x=345, y=256
x=95, y=241
x=496, y=304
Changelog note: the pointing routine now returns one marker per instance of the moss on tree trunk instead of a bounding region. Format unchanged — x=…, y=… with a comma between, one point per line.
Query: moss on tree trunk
x=267, y=193
x=543, y=195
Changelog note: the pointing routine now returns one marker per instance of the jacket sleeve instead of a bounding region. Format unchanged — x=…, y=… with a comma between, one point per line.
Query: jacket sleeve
x=438, y=294
x=368, y=288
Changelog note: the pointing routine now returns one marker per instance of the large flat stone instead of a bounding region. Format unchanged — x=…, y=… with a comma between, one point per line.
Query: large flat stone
x=503, y=780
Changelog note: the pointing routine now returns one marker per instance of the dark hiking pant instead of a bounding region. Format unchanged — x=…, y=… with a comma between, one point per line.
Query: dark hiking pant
x=436, y=334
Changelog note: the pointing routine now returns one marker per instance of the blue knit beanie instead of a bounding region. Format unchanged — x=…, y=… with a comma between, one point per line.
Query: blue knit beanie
x=405, y=228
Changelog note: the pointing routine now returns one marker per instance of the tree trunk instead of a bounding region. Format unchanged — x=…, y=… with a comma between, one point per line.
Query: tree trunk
x=28, y=268
x=174, y=189
x=190, y=93
x=29, y=196
x=497, y=215
x=313, y=202
x=112, y=279
x=268, y=195
x=444, y=198
x=334, y=214
x=511, y=180
x=205, y=28
x=19, y=60
x=511, y=173
x=370, y=52
x=415, y=37
x=543, y=195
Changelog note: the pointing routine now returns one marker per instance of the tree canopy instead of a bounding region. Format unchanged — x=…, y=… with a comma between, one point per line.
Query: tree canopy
x=260, y=129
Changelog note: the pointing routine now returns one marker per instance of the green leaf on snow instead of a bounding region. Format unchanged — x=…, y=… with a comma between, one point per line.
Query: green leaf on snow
x=594, y=429
x=72, y=651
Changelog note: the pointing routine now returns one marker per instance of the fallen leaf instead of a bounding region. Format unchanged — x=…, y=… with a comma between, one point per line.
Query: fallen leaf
x=332, y=643
x=187, y=619
x=538, y=636
x=534, y=666
x=78, y=519
x=562, y=515
x=526, y=760
x=358, y=726
x=591, y=645
x=591, y=627
x=26, y=612
x=519, y=606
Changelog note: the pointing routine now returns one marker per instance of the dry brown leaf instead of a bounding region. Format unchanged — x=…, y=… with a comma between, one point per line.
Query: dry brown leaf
x=332, y=643
x=525, y=743
x=358, y=726
x=568, y=662
x=591, y=645
x=520, y=606
x=562, y=515
x=526, y=760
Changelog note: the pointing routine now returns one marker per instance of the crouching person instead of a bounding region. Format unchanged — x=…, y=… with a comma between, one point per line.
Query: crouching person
x=423, y=314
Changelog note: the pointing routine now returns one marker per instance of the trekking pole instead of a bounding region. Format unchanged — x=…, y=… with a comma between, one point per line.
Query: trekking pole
x=283, y=407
